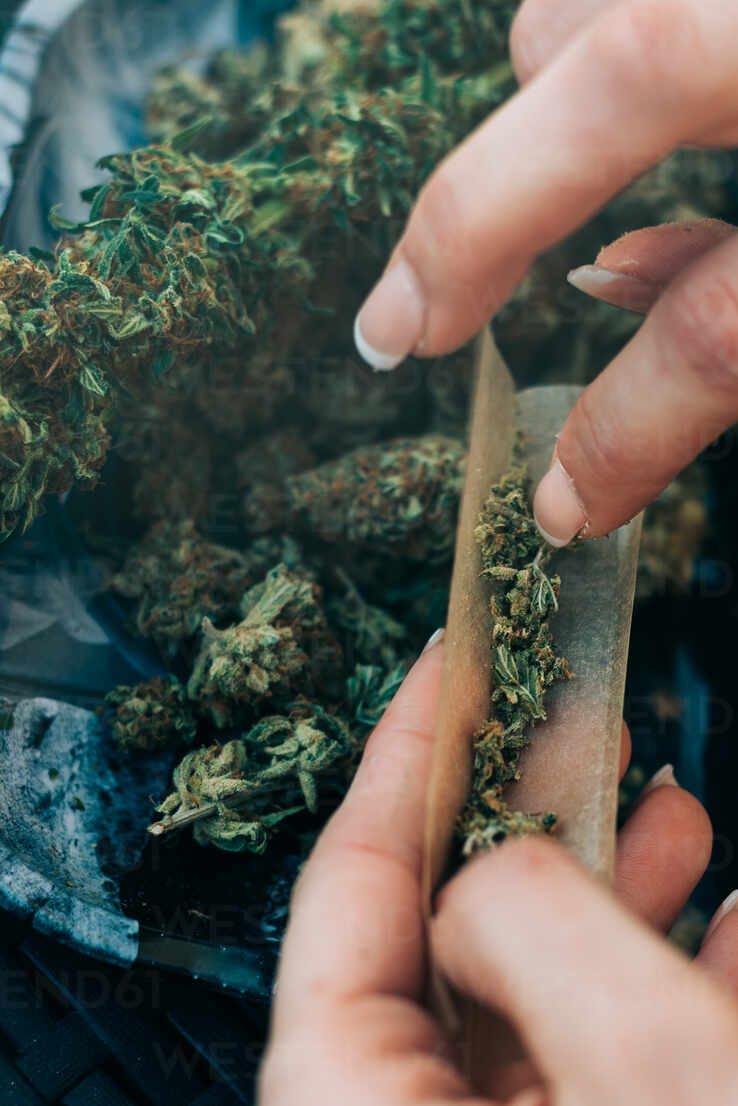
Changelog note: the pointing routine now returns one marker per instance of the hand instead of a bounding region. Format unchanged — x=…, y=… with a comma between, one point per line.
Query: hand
x=610, y=1013
x=610, y=87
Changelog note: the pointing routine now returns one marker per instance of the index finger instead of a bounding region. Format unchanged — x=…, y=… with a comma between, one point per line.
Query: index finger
x=636, y=82
x=355, y=926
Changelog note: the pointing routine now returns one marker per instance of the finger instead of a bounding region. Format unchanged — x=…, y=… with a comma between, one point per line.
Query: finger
x=663, y=851
x=719, y=952
x=355, y=921
x=626, y=747
x=633, y=271
x=642, y=78
x=541, y=29
x=610, y=1013
x=665, y=397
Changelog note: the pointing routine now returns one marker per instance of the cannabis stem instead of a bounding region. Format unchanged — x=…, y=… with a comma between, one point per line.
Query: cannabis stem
x=182, y=818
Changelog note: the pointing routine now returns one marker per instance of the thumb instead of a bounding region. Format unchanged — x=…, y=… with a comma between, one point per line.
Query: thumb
x=609, y=1012
x=634, y=270
x=670, y=392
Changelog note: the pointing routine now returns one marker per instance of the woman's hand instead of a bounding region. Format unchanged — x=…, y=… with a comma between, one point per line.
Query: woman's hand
x=610, y=87
x=609, y=1012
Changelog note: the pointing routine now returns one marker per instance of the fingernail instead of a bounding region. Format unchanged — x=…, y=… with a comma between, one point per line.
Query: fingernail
x=619, y=289
x=663, y=778
x=434, y=640
x=556, y=508
x=731, y=903
x=390, y=323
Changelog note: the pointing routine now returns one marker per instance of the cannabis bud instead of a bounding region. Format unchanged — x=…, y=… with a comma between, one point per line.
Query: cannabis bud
x=370, y=689
x=371, y=635
x=398, y=498
x=153, y=715
x=245, y=788
x=282, y=647
x=177, y=579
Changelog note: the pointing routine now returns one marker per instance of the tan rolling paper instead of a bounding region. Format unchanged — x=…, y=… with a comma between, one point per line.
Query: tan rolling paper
x=466, y=681
x=571, y=766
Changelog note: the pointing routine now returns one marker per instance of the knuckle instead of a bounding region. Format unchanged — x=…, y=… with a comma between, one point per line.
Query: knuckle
x=525, y=38
x=442, y=241
x=703, y=322
x=600, y=447
x=648, y=46
x=447, y=243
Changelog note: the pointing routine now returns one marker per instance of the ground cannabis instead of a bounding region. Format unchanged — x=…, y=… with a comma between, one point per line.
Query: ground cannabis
x=524, y=661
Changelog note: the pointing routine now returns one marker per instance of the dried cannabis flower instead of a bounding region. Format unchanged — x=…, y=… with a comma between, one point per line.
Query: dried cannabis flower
x=258, y=780
x=371, y=689
x=177, y=578
x=153, y=715
x=193, y=289
x=210, y=273
x=282, y=647
x=399, y=498
x=524, y=661
x=371, y=634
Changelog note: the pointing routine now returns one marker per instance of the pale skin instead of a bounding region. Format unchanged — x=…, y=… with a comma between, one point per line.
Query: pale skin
x=610, y=1013
x=609, y=88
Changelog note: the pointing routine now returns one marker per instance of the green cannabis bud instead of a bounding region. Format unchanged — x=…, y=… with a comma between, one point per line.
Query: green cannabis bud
x=203, y=278
x=371, y=688
x=234, y=95
x=190, y=294
x=398, y=498
x=371, y=634
x=272, y=772
x=177, y=578
x=524, y=661
x=153, y=715
x=282, y=647
x=198, y=323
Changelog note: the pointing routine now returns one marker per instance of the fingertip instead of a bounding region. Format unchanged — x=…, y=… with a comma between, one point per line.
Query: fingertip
x=657, y=254
x=471, y=908
x=663, y=851
x=626, y=747
x=390, y=324
x=682, y=820
x=727, y=906
x=618, y=289
x=435, y=639
x=557, y=509
x=663, y=778
x=518, y=859
x=380, y=362
x=718, y=954
x=414, y=703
